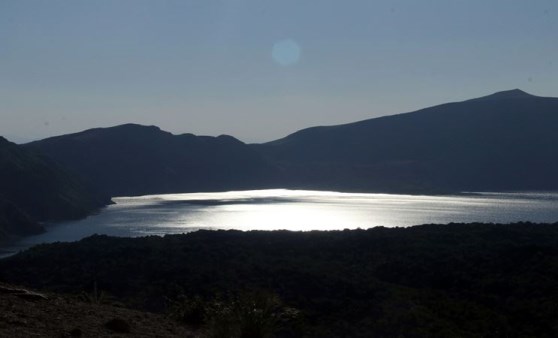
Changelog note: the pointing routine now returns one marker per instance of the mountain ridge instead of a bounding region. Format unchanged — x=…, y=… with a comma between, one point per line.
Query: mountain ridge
x=414, y=151
x=503, y=141
x=505, y=94
x=132, y=159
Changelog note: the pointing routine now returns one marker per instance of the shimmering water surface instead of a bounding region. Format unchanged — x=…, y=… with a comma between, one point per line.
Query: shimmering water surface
x=296, y=210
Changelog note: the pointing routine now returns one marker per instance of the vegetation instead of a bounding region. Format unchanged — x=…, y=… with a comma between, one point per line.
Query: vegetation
x=255, y=314
x=94, y=297
x=458, y=280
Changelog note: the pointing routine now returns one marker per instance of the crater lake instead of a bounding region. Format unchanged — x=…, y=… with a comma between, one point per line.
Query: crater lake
x=295, y=210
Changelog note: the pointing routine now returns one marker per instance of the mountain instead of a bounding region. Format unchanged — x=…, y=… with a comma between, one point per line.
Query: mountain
x=15, y=222
x=501, y=142
x=34, y=189
x=132, y=159
x=504, y=141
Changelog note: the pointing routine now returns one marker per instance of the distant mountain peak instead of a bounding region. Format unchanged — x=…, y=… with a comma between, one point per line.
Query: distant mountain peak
x=123, y=130
x=134, y=126
x=507, y=94
x=130, y=127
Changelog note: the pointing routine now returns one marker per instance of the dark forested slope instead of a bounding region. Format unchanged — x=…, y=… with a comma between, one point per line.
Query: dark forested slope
x=33, y=188
x=456, y=280
x=134, y=160
x=504, y=141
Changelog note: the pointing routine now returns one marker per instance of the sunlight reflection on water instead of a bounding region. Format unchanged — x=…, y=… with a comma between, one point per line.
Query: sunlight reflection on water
x=296, y=210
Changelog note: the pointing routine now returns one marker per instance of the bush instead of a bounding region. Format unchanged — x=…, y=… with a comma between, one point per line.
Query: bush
x=250, y=314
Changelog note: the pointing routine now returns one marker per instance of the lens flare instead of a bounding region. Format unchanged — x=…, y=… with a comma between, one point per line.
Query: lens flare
x=286, y=52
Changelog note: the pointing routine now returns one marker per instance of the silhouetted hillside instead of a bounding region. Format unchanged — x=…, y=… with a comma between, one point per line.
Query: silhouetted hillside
x=134, y=160
x=33, y=189
x=504, y=141
x=15, y=222
x=501, y=142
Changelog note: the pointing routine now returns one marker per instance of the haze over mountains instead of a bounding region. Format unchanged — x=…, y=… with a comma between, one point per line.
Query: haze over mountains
x=502, y=142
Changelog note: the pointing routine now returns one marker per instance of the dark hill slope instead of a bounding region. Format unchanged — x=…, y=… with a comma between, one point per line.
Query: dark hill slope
x=134, y=160
x=505, y=141
x=33, y=189
x=457, y=280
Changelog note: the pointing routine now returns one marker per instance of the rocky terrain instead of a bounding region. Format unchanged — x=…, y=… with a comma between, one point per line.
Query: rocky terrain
x=26, y=313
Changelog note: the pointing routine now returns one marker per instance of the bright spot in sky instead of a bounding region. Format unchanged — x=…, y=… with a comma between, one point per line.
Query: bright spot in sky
x=286, y=52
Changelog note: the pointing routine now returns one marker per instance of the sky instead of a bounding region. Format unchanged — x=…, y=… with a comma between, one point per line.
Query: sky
x=258, y=69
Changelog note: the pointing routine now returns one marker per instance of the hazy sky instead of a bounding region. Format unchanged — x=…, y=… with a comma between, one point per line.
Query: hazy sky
x=257, y=69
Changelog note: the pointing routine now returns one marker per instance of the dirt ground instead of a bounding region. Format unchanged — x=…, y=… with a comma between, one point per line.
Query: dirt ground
x=26, y=313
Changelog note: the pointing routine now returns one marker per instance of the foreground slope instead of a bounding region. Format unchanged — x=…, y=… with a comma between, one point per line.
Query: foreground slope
x=505, y=141
x=136, y=160
x=26, y=313
x=33, y=189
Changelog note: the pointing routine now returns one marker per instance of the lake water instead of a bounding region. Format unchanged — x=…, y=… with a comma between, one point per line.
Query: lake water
x=296, y=210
